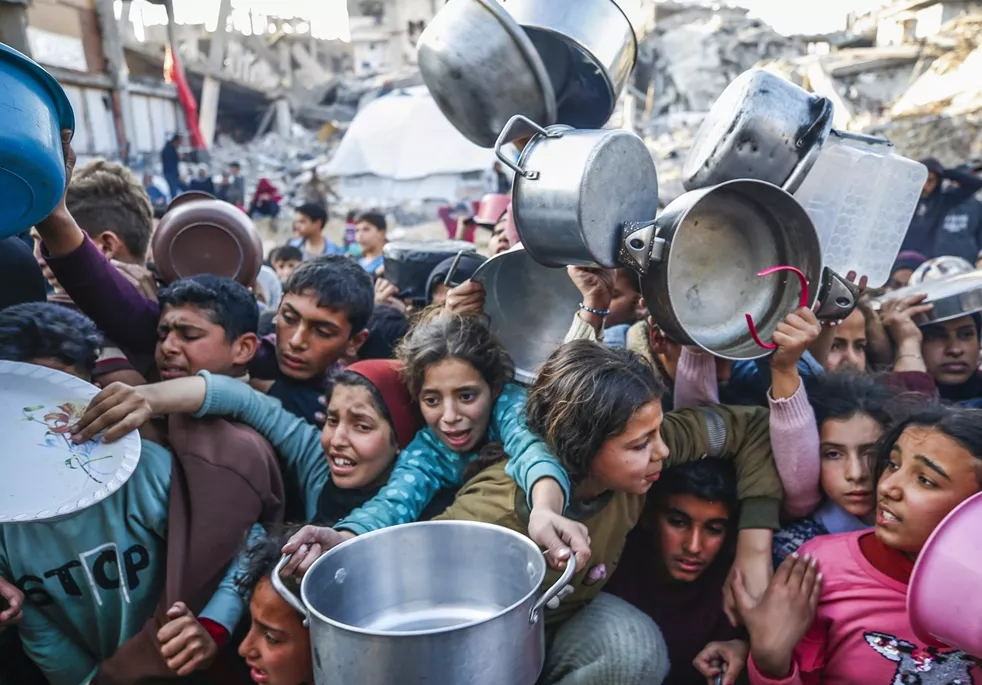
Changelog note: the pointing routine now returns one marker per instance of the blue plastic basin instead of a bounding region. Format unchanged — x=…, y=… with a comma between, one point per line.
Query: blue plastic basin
x=33, y=111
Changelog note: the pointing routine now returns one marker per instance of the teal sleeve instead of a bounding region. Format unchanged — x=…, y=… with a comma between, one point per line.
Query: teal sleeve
x=529, y=460
x=424, y=467
x=62, y=661
x=296, y=442
x=227, y=606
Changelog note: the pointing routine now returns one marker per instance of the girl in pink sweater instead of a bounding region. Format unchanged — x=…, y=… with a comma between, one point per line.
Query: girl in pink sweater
x=835, y=613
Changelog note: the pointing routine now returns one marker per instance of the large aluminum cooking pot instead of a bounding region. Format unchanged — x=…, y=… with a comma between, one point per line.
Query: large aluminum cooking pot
x=762, y=127
x=530, y=307
x=481, y=68
x=435, y=602
x=589, y=48
x=573, y=190
x=701, y=279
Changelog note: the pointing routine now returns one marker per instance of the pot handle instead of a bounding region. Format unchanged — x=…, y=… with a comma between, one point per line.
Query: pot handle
x=798, y=174
x=283, y=592
x=554, y=591
x=504, y=137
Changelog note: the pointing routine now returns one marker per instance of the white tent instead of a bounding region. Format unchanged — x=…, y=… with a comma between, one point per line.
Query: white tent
x=400, y=147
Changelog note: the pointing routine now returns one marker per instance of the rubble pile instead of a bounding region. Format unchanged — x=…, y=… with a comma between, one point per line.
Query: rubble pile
x=685, y=63
x=926, y=97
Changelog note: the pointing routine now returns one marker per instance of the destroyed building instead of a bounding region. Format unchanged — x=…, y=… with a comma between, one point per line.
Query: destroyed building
x=919, y=87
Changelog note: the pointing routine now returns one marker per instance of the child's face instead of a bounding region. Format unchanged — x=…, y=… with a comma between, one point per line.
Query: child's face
x=691, y=531
x=632, y=461
x=277, y=647
x=310, y=339
x=951, y=350
x=304, y=226
x=284, y=268
x=847, y=456
x=456, y=403
x=849, y=344
x=189, y=342
x=928, y=475
x=356, y=438
x=624, y=303
x=499, y=239
x=369, y=237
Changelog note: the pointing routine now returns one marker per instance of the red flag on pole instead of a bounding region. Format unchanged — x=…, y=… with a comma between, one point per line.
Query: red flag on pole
x=174, y=73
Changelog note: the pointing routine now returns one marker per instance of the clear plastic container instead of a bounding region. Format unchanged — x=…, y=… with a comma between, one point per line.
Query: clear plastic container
x=861, y=195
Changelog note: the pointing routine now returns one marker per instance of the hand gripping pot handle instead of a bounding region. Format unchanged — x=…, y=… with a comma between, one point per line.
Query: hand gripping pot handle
x=554, y=591
x=283, y=592
x=505, y=136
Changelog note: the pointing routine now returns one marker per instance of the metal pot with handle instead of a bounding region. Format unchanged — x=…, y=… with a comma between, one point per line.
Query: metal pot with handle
x=574, y=189
x=763, y=128
x=433, y=602
x=709, y=261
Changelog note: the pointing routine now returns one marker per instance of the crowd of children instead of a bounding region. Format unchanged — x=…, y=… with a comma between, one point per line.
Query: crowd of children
x=728, y=521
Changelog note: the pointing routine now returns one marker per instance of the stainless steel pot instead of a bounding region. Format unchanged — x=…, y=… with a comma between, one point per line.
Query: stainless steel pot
x=574, y=188
x=530, y=307
x=481, y=68
x=953, y=297
x=700, y=279
x=589, y=48
x=434, y=602
x=763, y=128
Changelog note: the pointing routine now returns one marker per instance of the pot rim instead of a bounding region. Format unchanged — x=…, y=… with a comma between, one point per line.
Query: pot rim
x=699, y=195
x=538, y=560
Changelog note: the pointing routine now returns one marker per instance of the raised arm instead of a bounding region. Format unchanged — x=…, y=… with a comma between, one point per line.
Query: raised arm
x=695, y=379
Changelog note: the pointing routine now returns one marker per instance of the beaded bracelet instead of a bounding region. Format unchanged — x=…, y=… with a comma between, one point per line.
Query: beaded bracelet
x=595, y=312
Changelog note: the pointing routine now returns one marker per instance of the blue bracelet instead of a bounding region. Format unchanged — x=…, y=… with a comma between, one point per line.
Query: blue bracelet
x=595, y=312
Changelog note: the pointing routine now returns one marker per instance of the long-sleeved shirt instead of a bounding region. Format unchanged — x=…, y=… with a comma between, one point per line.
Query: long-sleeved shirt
x=793, y=429
x=421, y=470
x=92, y=579
x=861, y=633
x=427, y=465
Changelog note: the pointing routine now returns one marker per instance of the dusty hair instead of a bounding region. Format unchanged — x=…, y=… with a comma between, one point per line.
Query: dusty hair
x=106, y=196
x=454, y=336
x=585, y=394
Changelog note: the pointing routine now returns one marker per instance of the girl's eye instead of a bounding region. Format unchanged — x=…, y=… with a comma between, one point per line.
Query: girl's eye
x=676, y=523
x=467, y=397
x=832, y=454
x=431, y=401
x=715, y=530
x=926, y=482
x=331, y=421
x=892, y=465
x=270, y=639
x=365, y=428
x=837, y=345
x=642, y=446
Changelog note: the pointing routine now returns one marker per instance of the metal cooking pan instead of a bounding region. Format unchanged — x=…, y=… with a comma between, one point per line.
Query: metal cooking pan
x=952, y=297
x=530, y=306
x=701, y=280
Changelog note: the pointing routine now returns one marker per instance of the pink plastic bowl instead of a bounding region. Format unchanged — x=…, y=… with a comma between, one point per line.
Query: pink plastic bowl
x=944, y=601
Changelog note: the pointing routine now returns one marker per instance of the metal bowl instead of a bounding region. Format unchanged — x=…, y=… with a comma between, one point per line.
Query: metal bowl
x=481, y=69
x=938, y=268
x=531, y=307
x=953, y=297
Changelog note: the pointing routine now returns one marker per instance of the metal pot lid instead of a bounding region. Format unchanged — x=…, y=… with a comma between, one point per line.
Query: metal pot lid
x=738, y=126
x=619, y=184
x=952, y=297
x=466, y=33
x=940, y=267
x=530, y=306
